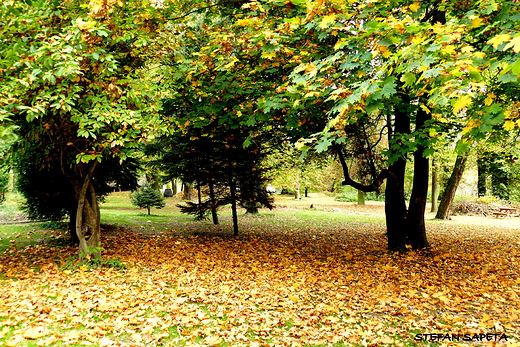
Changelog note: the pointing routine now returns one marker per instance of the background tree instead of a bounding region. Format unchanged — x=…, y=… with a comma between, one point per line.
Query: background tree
x=147, y=197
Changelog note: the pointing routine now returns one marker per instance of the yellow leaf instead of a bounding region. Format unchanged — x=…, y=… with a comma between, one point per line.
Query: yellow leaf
x=515, y=43
x=470, y=125
x=293, y=298
x=449, y=49
x=269, y=56
x=32, y=334
x=326, y=20
x=499, y=39
x=509, y=125
x=462, y=103
x=243, y=22
x=475, y=23
x=467, y=49
x=415, y=7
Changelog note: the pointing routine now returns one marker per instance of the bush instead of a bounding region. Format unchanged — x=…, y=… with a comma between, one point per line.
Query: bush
x=147, y=197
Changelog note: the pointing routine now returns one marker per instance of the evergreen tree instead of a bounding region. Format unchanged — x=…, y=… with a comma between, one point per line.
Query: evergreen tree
x=147, y=197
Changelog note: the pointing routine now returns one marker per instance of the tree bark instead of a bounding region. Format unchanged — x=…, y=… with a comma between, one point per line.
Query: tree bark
x=415, y=221
x=360, y=197
x=233, y=195
x=444, y=211
x=435, y=187
x=187, y=193
x=87, y=217
x=395, y=202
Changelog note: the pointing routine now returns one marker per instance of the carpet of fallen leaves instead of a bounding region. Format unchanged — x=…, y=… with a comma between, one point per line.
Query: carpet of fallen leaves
x=275, y=286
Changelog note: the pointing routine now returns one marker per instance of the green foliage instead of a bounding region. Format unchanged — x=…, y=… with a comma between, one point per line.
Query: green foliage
x=147, y=197
x=72, y=264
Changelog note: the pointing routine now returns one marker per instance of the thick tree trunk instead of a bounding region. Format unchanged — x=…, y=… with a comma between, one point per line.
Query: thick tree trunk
x=395, y=202
x=88, y=218
x=415, y=221
x=395, y=210
x=444, y=210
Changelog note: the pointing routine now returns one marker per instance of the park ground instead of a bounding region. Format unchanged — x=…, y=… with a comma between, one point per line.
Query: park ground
x=295, y=276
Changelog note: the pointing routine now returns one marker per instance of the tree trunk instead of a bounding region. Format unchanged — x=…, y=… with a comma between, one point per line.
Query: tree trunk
x=213, y=202
x=297, y=195
x=187, y=193
x=482, y=177
x=88, y=217
x=435, y=186
x=174, y=186
x=233, y=195
x=395, y=202
x=360, y=197
x=444, y=210
x=395, y=210
x=415, y=220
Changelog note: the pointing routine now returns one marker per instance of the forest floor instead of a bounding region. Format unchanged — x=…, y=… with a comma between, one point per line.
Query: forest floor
x=295, y=276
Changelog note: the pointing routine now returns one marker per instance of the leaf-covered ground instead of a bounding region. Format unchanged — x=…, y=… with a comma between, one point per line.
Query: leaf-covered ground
x=279, y=285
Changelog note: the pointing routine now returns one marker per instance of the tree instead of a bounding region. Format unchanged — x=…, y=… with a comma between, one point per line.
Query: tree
x=423, y=72
x=70, y=88
x=147, y=197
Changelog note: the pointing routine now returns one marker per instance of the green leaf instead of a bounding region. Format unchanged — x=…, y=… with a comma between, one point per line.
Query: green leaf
x=388, y=88
x=408, y=79
x=516, y=67
x=508, y=77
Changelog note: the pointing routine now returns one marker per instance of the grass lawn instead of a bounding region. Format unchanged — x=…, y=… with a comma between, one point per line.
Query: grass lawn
x=295, y=276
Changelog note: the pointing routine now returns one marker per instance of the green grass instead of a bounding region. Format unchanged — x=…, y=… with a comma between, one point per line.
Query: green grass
x=117, y=210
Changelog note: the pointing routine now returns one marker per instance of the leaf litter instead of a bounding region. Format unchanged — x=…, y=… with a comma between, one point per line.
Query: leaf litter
x=271, y=286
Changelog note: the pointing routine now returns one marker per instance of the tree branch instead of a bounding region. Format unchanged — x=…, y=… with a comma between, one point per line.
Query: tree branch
x=350, y=182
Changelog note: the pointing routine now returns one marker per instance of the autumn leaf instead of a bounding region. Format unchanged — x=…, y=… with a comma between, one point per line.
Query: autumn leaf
x=499, y=39
x=515, y=44
x=462, y=103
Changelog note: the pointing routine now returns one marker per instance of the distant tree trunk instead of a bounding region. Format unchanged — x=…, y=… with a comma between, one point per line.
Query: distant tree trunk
x=416, y=226
x=448, y=195
x=187, y=193
x=213, y=202
x=233, y=195
x=360, y=197
x=435, y=187
x=306, y=192
x=482, y=177
x=174, y=187
x=297, y=195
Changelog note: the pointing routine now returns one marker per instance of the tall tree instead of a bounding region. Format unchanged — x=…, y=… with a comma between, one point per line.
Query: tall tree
x=69, y=86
